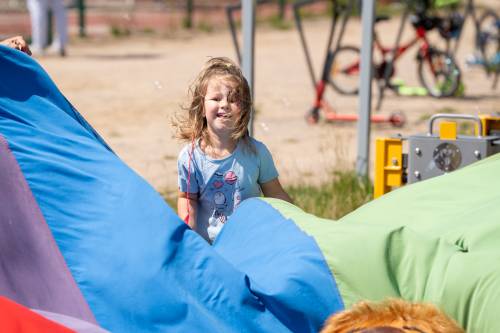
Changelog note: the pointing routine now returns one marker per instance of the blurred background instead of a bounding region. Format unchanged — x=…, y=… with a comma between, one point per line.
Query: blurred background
x=128, y=65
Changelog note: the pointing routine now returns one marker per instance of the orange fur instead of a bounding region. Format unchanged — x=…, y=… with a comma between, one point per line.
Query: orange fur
x=396, y=313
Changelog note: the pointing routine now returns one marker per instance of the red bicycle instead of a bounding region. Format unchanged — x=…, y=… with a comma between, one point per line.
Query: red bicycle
x=437, y=70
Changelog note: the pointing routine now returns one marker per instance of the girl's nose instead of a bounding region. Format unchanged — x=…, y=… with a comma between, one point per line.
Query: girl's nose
x=223, y=102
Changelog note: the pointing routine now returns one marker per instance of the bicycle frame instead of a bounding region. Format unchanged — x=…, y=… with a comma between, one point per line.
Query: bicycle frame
x=384, y=69
x=420, y=36
x=340, y=16
x=470, y=11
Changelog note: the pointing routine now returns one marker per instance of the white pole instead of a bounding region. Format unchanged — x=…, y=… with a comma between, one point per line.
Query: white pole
x=247, y=58
x=365, y=91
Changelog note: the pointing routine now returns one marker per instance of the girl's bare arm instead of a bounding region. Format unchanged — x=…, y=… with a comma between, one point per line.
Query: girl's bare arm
x=273, y=189
x=183, y=202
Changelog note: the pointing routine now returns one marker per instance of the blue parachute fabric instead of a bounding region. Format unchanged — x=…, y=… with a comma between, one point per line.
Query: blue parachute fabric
x=277, y=256
x=139, y=267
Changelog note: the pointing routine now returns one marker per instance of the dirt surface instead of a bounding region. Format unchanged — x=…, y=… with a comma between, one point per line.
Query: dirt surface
x=128, y=89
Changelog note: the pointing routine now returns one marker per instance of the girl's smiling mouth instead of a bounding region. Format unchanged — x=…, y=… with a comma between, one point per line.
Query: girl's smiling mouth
x=221, y=114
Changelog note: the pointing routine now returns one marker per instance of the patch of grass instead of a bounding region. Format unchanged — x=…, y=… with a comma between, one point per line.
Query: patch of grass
x=340, y=195
x=187, y=23
x=117, y=31
x=355, y=10
x=279, y=23
x=389, y=9
x=148, y=31
x=460, y=90
x=205, y=27
x=306, y=13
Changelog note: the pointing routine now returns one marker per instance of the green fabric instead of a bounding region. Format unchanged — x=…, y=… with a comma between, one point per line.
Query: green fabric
x=412, y=91
x=435, y=241
x=442, y=3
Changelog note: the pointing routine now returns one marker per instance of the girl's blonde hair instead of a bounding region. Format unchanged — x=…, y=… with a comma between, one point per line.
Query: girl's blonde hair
x=193, y=125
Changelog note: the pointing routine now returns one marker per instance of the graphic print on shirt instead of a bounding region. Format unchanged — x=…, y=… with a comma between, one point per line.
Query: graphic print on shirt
x=224, y=198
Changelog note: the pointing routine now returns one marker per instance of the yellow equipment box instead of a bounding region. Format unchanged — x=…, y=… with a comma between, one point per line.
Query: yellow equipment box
x=432, y=154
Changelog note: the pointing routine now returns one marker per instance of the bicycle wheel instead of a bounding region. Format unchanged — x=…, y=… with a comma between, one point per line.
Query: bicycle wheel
x=438, y=73
x=344, y=72
x=488, y=40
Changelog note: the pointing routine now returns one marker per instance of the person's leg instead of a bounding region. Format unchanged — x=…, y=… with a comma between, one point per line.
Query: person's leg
x=61, y=23
x=39, y=24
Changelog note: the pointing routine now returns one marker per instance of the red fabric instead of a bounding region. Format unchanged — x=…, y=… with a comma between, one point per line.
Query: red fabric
x=15, y=318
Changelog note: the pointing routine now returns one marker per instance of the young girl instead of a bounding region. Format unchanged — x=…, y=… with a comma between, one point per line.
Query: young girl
x=221, y=165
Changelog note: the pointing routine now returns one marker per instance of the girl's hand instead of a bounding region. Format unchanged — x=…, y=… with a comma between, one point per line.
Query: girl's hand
x=273, y=189
x=17, y=43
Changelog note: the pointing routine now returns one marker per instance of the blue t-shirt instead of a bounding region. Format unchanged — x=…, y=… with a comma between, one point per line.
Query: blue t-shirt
x=222, y=184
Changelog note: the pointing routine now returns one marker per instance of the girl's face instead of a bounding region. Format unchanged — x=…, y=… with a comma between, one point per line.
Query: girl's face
x=221, y=107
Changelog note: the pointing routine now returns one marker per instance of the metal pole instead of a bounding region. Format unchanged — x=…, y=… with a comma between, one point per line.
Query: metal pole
x=247, y=59
x=232, y=28
x=281, y=14
x=390, y=64
x=347, y=11
x=188, y=21
x=298, y=22
x=50, y=28
x=365, y=92
x=81, y=17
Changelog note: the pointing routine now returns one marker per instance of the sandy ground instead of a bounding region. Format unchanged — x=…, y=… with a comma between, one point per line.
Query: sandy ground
x=128, y=89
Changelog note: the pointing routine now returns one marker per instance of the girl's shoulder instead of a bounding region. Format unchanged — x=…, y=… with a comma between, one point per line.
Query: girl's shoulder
x=257, y=147
x=186, y=151
x=257, y=144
